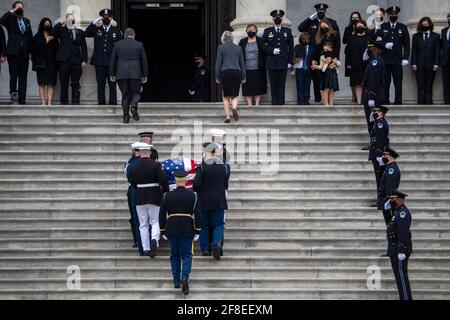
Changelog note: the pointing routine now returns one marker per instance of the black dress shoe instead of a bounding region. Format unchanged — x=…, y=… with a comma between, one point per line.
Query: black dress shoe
x=206, y=253
x=215, y=251
x=135, y=114
x=146, y=253
x=177, y=286
x=153, y=247
x=185, y=287
x=126, y=119
x=135, y=245
x=235, y=115
x=227, y=121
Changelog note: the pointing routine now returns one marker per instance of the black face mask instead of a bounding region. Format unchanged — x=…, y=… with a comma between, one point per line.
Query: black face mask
x=324, y=30
x=360, y=30
x=47, y=28
x=304, y=43
x=393, y=19
x=426, y=28
x=321, y=15
x=251, y=34
x=106, y=21
x=19, y=12
x=327, y=54
x=278, y=20
x=354, y=21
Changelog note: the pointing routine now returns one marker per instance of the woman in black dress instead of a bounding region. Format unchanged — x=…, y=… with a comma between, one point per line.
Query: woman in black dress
x=349, y=31
x=355, y=65
x=44, y=63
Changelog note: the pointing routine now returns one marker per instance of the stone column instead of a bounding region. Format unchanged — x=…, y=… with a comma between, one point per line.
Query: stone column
x=85, y=12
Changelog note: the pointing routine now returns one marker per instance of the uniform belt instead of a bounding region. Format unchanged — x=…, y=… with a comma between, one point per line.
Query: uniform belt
x=148, y=185
x=181, y=215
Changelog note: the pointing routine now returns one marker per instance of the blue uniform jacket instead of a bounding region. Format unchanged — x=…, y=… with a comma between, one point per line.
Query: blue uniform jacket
x=399, y=233
x=283, y=41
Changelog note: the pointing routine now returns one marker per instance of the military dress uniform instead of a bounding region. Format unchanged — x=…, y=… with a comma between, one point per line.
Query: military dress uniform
x=379, y=141
x=279, y=44
x=105, y=36
x=397, y=34
x=179, y=221
x=400, y=246
x=390, y=181
x=373, y=83
x=147, y=137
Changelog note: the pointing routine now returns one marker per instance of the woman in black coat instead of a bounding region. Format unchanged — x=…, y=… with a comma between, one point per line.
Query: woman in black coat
x=44, y=63
x=349, y=31
x=255, y=64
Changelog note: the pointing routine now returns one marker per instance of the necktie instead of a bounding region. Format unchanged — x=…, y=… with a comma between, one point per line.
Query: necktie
x=305, y=60
x=74, y=34
x=22, y=26
x=427, y=35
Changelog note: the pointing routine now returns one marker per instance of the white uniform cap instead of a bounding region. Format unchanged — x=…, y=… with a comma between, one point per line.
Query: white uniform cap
x=141, y=146
x=217, y=133
x=135, y=145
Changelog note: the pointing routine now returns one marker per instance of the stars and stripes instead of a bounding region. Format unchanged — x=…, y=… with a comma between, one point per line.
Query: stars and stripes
x=169, y=166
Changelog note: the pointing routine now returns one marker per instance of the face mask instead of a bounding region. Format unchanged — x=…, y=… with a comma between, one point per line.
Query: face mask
x=251, y=34
x=321, y=15
x=426, y=28
x=393, y=19
x=379, y=19
x=278, y=20
x=324, y=30
x=327, y=54
x=106, y=21
x=360, y=30
x=47, y=28
x=19, y=12
x=354, y=20
x=304, y=43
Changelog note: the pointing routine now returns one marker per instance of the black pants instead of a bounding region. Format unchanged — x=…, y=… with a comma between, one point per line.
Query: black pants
x=400, y=269
x=70, y=72
x=18, y=70
x=378, y=170
x=130, y=89
x=303, y=78
x=102, y=75
x=367, y=109
x=394, y=71
x=317, y=78
x=278, y=86
x=425, y=80
x=446, y=80
x=132, y=222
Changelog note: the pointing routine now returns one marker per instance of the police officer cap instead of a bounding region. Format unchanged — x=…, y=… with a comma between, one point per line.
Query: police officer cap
x=393, y=9
x=277, y=13
x=391, y=152
x=375, y=44
x=180, y=174
x=398, y=194
x=381, y=108
x=321, y=6
x=106, y=13
x=217, y=133
x=147, y=134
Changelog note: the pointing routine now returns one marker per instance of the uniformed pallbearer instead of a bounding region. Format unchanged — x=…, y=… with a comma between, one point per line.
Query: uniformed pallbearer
x=179, y=221
x=390, y=181
x=395, y=37
x=379, y=141
x=400, y=243
x=279, y=47
x=105, y=32
x=147, y=137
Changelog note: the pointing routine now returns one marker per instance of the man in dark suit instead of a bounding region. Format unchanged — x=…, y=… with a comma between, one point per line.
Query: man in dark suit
x=20, y=39
x=425, y=57
x=445, y=60
x=129, y=66
x=395, y=38
x=279, y=44
x=311, y=25
x=72, y=57
x=105, y=33
x=2, y=47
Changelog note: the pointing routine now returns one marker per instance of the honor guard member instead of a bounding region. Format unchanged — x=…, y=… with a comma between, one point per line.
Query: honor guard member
x=395, y=37
x=147, y=137
x=373, y=81
x=199, y=89
x=217, y=136
x=105, y=33
x=390, y=181
x=151, y=183
x=211, y=183
x=179, y=220
x=379, y=141
x=311, y=25
x=279, y=47
x=400, y=243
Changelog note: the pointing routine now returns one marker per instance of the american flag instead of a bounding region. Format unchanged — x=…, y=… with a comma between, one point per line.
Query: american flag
x=169, y=166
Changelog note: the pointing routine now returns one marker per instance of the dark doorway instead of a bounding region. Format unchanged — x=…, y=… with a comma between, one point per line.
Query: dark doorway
x=172, y=38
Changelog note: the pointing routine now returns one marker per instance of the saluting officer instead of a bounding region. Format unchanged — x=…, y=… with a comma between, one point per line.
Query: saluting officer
x=279, y=47
x=105, y=33
x=400, y=243
x=379, y=141
x=390, y=181
x=395, y=37
x=179, y=221
x=373, y=81
x=147, y=137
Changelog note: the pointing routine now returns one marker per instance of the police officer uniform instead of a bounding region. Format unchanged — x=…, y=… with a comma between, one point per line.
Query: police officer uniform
x=373, y=82
x=105, y=36
x=396, y=39
x=279, y=44
x=151, y=183
x=379, y=141
x=400, y=246
x=200, y=83
x=390, y=181
x=147, y=137
x=179, y=221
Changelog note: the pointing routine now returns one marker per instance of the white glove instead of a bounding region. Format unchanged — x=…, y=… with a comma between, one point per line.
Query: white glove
x=389, y=45
x=401, y=256
x=97, y=20
x=371, y=118
x=191, y=92
x=276, y=51
x=405, y=62
x=371, y=103
x=165, y=237
x=380, y=161
x=289, y=65
x=196, y=237
x=366, y=55
x=313, y=16
x=387, y=205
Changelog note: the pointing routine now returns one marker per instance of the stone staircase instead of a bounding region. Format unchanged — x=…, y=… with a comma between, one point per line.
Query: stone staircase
x=305, y=233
